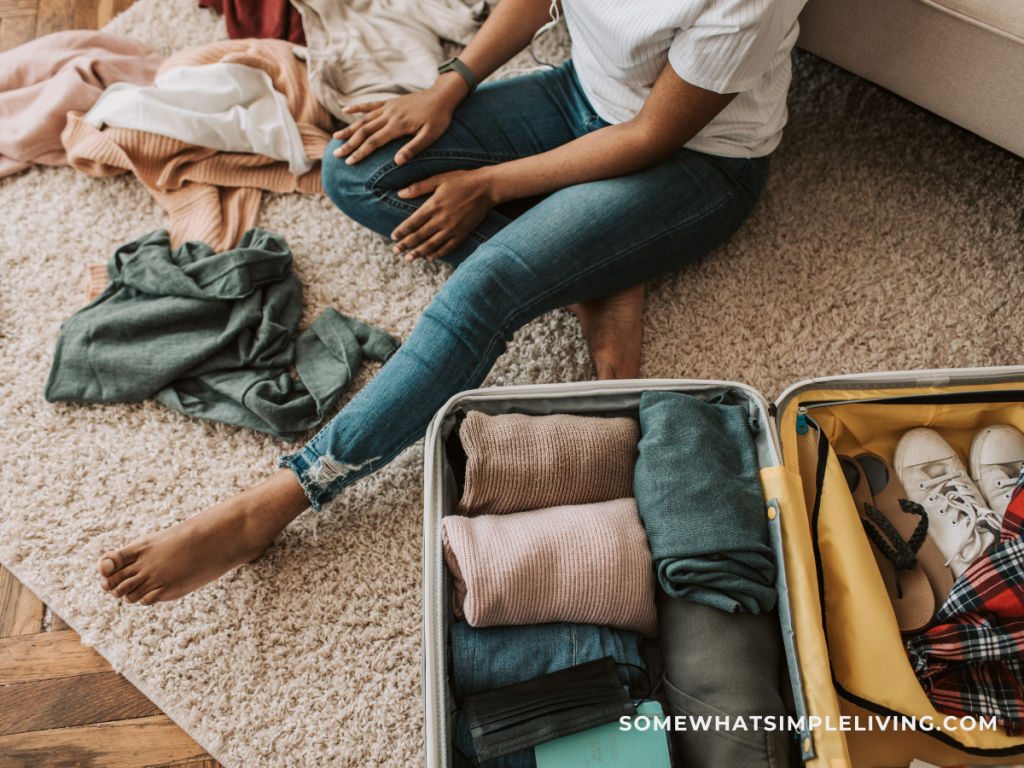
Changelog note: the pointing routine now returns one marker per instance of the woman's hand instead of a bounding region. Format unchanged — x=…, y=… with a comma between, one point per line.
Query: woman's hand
x=458, y=202
x=425, y=114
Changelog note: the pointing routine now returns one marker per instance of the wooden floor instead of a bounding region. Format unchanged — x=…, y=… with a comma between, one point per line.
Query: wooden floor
x=61, y=704
x=24, y=20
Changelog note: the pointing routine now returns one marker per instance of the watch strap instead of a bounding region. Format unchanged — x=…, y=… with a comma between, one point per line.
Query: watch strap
x=457, y=65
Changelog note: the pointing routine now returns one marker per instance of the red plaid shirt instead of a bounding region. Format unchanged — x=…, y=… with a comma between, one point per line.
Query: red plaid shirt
x=970, y=662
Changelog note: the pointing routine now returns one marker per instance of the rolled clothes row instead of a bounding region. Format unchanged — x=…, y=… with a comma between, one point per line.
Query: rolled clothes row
x=579, y=537
x=548, y=527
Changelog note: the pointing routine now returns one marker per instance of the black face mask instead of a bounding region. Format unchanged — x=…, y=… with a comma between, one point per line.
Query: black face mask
x=506, y=720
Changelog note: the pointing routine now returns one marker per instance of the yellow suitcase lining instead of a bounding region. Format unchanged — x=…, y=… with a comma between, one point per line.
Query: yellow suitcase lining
x=870, y=671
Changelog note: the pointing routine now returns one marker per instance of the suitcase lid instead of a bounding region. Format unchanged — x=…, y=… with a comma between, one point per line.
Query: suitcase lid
x=941, y=381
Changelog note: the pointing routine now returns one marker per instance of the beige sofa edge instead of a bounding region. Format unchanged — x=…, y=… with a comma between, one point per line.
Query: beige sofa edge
x=967, y=71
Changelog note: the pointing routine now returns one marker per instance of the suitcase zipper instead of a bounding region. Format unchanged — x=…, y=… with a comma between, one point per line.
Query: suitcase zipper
x=943, y=398
x=654, y=385
x=801, y=420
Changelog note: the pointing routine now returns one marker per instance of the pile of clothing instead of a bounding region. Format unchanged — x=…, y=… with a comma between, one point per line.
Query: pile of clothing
x=578, y=538
x=211, y=336
x=207, y=131
x=210, y=128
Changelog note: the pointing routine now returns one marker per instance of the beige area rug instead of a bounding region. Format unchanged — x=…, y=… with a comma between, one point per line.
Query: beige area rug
x=887, y=239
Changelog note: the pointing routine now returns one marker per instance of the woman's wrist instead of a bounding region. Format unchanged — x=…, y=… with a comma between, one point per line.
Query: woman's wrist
x=490, y=177
x=451, y=88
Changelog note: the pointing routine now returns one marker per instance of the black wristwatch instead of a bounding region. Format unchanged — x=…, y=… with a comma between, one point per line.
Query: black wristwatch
x=455, y=65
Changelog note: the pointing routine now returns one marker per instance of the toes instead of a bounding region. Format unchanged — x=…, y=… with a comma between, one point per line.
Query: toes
x=109, y=582
x=128, y=585
x=153, y=596
x=115, y=560
x=138, y=591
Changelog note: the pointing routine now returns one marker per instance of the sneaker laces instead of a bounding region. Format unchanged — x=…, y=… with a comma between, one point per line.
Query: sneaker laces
x=1008, y=482
x=953, y=494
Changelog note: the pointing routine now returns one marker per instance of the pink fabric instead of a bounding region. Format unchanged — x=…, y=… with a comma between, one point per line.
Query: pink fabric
x=584, y=564
x=41, y=81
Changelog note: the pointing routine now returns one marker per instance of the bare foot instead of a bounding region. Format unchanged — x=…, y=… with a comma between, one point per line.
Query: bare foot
x=167, y=565
x=613, y=328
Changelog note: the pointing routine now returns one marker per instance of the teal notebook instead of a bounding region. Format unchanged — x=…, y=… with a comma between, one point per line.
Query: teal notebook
x=609, y=745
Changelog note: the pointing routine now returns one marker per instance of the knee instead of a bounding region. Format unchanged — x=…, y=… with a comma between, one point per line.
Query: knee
x=348, y=186
x=487, y=294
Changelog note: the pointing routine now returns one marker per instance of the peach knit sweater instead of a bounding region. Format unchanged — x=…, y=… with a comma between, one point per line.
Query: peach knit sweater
x=517, y=462
x=585, y=564
x=210, y=195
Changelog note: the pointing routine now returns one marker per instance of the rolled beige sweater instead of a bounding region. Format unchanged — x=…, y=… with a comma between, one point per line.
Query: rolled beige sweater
x=584, y=564
x=516, y=462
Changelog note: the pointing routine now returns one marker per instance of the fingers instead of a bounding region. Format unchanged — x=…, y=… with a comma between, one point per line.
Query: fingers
x=377, y=138
x=447, y=247
x=421, y=140
x=421, y=235
x=420, y=188
x=430, y=248
x=363, y=131
x=355, y=125
x=369, y=106
x=411, y=225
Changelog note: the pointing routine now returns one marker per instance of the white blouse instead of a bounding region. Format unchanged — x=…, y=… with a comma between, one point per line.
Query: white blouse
x=619, y=47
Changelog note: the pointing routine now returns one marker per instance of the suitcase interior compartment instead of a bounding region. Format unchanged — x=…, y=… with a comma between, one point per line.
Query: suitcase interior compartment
x=870, y=669
x=598, y=399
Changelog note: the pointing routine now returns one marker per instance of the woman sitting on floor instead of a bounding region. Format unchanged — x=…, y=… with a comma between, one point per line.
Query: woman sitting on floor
x=650, y=148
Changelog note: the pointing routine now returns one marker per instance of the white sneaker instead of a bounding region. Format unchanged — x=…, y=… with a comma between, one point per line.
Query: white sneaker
x=996, y=457
x=934, y=477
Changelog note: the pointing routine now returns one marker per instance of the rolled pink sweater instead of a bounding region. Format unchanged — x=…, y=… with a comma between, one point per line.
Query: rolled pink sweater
x=584, y=564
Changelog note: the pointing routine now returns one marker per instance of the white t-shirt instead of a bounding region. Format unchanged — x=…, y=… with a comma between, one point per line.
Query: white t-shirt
x=727, y=46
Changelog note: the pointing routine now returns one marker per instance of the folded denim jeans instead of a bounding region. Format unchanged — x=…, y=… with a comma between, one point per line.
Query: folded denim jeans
x=700, y=499
x=484, y=658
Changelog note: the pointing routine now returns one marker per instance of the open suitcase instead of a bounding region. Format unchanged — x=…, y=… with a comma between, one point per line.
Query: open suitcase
x=843, y=646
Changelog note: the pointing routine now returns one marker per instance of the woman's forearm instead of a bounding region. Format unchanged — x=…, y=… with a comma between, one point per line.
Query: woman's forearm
x=617, y=150
x=510, y=28
x=675, y=112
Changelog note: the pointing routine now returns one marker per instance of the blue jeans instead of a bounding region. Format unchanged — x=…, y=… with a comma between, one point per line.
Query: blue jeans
x=485, y=658
x=580, y=243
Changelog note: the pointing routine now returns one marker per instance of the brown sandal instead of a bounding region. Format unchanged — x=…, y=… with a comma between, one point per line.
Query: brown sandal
x=911, y=594
x=891, y=499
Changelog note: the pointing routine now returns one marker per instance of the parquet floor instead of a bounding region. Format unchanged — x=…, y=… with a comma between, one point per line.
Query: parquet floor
x=24, y=20
x=61, y=704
